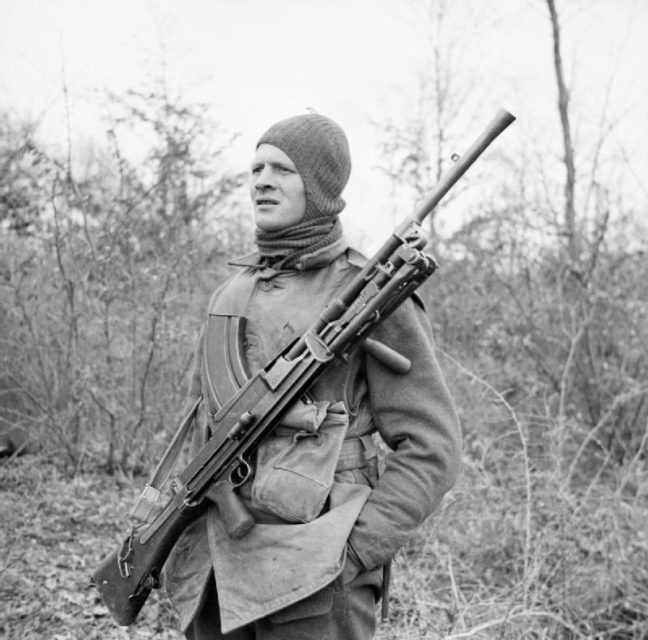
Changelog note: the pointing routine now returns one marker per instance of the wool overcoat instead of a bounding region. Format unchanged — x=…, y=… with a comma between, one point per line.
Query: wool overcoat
x=366, y=515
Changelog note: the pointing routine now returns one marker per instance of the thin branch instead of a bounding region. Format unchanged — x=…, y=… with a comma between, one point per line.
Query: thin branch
x=527, y=466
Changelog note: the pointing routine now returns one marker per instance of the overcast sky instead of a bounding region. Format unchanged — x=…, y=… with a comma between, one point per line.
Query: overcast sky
x=260, y=61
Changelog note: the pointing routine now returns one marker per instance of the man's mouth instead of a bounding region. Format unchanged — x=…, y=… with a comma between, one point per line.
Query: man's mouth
x=266, y=201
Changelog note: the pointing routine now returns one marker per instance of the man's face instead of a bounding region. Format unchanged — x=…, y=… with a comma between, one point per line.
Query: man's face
x=277, y=190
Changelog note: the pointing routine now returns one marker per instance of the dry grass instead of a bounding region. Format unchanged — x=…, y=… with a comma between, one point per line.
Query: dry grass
x=587, y=572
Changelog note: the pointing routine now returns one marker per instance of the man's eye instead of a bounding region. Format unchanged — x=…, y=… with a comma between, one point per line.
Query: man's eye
x=284, y=170
x=256, y=170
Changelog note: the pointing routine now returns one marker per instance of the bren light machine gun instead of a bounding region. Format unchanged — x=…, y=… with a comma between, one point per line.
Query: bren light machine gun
x=258, y=402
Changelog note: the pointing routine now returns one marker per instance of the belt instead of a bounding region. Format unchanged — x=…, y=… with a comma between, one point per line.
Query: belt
x=356, y=453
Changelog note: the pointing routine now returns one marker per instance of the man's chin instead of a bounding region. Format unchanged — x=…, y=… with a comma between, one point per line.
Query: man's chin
x=268, y=225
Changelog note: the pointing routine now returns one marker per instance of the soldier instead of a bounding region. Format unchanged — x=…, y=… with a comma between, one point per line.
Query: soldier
x=326, y=523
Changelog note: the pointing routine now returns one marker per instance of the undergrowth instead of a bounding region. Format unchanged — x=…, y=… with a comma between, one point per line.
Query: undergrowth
x=472, y=571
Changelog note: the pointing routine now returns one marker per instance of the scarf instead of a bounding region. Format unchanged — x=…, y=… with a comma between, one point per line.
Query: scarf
x=284, y=248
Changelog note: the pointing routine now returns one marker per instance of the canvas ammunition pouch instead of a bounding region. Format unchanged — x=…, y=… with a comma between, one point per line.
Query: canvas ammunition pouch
x=296, y=467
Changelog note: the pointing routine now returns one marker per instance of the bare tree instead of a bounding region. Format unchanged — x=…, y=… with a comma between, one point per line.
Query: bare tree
x=570, y=231
x=416, y=145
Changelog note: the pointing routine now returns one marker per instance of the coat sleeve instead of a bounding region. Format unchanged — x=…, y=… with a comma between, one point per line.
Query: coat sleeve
x=416, y=417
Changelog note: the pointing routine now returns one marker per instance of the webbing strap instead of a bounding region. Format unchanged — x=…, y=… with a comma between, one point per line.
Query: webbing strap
x=172, y=453
x=356, y=452
x=146, y=505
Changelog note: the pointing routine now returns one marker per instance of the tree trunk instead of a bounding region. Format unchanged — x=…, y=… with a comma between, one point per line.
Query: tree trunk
x=570, y=230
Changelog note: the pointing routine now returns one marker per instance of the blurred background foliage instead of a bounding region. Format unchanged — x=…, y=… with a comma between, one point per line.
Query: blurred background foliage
x=104, y=273
x=539, y=312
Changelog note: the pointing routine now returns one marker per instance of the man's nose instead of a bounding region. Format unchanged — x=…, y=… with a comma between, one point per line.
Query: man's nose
x=264, y=179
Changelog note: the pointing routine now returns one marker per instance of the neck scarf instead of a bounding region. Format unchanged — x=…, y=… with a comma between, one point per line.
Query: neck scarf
x=284, y=248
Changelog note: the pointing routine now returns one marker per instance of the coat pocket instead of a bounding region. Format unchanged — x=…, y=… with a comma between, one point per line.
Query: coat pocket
x=295, y=472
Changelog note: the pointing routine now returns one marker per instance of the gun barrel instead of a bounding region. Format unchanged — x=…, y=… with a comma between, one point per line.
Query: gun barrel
x=336, y=308
x=501, y=121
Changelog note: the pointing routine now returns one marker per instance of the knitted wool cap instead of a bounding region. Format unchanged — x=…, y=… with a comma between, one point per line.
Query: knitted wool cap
x=319, y=148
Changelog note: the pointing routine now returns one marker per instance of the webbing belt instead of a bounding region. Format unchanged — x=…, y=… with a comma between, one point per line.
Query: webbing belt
x=356, y=453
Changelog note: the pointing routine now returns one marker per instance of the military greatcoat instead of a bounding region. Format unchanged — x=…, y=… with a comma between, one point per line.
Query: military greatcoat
x=296, y=549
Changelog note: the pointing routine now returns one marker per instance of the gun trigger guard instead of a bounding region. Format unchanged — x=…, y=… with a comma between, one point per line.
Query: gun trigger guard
x=240, y=473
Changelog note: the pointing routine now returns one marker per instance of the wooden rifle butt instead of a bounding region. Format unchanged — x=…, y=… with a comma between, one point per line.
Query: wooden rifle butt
x=125, y=578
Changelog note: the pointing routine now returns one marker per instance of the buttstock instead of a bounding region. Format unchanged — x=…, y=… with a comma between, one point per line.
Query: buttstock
x=117, y=593
x=125, y=578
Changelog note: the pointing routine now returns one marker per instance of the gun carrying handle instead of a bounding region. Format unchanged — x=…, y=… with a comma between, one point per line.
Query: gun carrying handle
x=237, y=520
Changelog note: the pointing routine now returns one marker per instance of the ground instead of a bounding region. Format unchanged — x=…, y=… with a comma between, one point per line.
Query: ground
x=467, y=573
x=55, y=530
